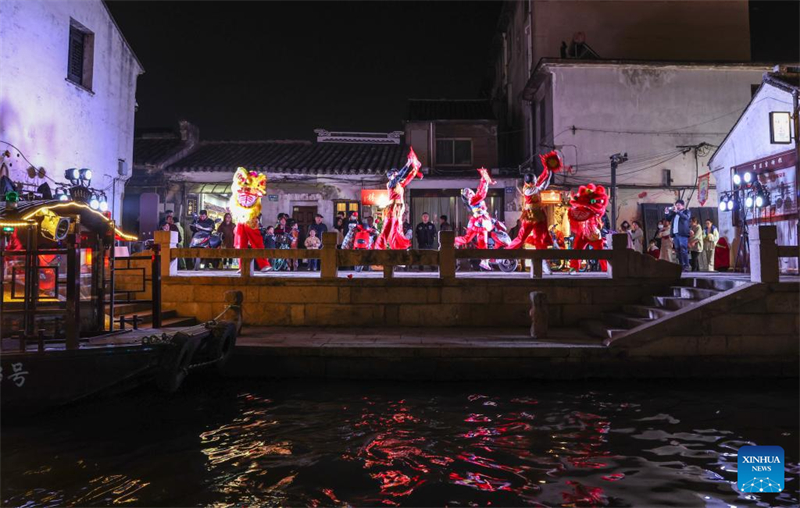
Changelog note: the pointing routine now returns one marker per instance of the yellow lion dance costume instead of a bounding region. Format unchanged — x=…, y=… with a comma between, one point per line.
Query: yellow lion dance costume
x=245, y=204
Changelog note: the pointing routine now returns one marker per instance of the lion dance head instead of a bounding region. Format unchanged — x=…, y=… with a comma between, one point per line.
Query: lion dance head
x=590, y=201
x=246, y=192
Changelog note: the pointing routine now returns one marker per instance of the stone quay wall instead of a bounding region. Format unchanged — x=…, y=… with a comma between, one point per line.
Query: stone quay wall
x=409, y=302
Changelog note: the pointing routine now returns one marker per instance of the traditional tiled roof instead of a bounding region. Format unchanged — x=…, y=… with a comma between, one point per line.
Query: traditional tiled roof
x=153, y=150
x=299, y=157
x=424, y=110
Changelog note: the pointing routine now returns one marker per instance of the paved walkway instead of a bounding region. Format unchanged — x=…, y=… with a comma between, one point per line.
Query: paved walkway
x=408, y=338
x=461, y=275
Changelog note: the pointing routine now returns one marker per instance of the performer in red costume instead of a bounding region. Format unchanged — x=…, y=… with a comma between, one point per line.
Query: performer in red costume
x=586, y=220
x=533, y=222
x=245, y=204
x=392, y=235
x=480, y=224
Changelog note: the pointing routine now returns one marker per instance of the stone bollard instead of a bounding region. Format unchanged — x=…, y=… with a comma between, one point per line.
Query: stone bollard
x=447, y=255
x=539, y=315
x=233, y=312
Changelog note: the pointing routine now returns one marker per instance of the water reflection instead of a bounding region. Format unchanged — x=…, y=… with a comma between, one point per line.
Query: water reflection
x=325, y=445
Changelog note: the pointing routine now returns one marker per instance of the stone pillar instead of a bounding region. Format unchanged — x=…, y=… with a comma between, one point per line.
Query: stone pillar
x=536, y=267
x=539, y=315
x=167, y=240
x=619, y=256
x=447, y=255
x=328, y=262
x=764, y=254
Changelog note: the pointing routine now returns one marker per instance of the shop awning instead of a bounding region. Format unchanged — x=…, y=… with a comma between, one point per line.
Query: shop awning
x=209, y=188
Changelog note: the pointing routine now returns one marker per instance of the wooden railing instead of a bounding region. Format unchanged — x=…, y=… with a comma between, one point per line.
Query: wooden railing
x=445, y=258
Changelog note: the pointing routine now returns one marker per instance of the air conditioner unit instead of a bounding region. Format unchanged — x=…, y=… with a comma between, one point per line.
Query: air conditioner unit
x=122, y=167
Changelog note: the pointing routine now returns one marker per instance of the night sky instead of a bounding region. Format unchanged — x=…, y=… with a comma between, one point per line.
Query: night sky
x=278, y=70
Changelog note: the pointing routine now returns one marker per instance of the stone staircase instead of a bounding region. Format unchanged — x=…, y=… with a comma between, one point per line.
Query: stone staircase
x=691, y=291
x=169, y=318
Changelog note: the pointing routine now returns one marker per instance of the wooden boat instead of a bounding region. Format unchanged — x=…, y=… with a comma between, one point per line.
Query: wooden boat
x=62, y=335
x=48, y=374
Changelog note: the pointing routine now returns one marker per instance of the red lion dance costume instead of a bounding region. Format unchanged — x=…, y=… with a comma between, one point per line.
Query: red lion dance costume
x=245, y=204
x=586, y=220
x=392, y=235
x=533, y=222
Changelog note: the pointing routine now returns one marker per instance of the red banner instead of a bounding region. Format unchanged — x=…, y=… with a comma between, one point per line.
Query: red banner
x=703, y=186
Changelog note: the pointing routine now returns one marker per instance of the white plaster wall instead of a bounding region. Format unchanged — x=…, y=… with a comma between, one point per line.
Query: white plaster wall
x=644, y=111
x=55, y=123
x=748, y=141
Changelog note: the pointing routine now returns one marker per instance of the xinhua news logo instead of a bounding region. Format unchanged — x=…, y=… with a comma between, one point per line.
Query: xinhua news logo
x=760, y=469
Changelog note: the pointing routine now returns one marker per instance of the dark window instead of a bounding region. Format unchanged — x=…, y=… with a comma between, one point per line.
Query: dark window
x=79, y=63
x=453, y=152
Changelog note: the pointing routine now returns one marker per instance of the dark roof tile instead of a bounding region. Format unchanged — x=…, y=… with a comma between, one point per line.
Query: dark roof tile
x=151, y=151
x=302, y=157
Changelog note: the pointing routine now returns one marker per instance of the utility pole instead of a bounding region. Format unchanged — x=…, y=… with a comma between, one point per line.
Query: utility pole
x=616, y=160
x=695, y=149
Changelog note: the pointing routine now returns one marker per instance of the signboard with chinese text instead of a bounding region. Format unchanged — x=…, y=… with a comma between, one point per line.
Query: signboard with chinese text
x=780, y=127
x=376, y=197
x=551, y=197
x=778, y=175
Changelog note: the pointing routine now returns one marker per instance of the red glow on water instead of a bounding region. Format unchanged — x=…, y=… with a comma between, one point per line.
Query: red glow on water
x=331, y=495
x=614, y=477
x=583, y=496
x=477, y=418
x=480, y=481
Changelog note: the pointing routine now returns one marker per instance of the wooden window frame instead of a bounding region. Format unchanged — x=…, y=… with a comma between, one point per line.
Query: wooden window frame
x=87, y=65
x=453, y=140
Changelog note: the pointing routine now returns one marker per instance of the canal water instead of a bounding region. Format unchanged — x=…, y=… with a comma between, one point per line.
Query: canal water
x=253, y=443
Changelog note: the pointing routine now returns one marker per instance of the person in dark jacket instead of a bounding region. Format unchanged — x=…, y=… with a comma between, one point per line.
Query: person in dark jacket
x=426, y=232
x=225, y=228
x=679, y=217
x=318, y=226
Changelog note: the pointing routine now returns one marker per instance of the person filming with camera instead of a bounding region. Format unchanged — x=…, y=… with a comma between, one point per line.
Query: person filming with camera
x=679, y=218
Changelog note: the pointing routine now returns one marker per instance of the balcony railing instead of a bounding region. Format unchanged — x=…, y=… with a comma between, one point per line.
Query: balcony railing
x=445, y=258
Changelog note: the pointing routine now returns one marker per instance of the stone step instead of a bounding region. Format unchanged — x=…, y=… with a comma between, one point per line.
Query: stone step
x=623, y=321
x=719, y=284
x=597, y=328
x=668, y=302
x=694, y=293
x=646, y=311
x=131, y=308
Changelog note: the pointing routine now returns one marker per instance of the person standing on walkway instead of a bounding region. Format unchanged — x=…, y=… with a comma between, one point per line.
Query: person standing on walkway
x=637, y=236
x=696, y=244
x=679, y=216
x=711, y=237
x=225, y=229
x=666, y=249
x=426, y=234
x=313, y=242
